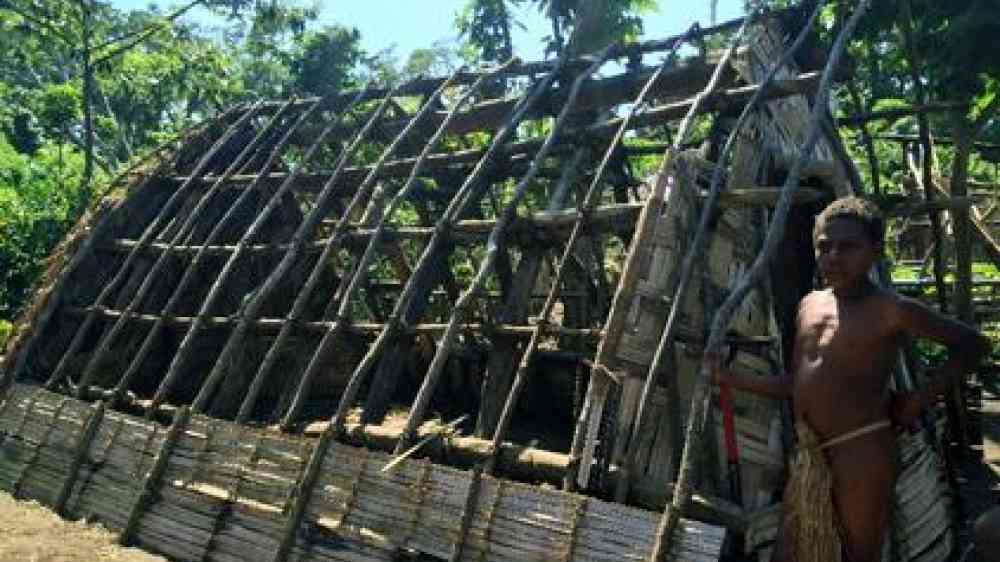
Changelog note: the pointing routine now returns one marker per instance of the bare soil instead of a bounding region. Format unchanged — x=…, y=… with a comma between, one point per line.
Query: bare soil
x=30, y=532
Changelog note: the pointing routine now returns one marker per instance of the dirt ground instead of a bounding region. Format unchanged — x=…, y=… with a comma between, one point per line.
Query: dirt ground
x=32, y=533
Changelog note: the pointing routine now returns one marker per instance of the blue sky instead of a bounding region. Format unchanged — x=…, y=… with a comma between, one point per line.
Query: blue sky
x=412, y=24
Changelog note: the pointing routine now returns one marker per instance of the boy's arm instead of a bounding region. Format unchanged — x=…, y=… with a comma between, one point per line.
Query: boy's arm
x=966, y=347
x=774, y=387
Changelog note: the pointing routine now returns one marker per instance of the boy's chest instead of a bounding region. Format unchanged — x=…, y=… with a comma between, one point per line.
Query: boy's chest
x=844, y=329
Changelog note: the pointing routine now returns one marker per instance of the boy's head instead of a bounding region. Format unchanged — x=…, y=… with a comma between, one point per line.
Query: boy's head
x=866, y=213
x=848, y=240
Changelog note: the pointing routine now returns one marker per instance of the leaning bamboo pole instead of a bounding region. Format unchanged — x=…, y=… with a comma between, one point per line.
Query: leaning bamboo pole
x=598, y=390
x=441, y=235
x=753, y=276
x=586, y=208
x=274, y=325
x=186, y=230
x=148, y=234
x=696, y=251
x=186, y=347
x=554, y=225
x=151, y=481
x=486, y=266
x=87, y=435
x=348, y=283
x=304, y=232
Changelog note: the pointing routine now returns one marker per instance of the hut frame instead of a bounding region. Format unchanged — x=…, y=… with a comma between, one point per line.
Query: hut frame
x=246, y=230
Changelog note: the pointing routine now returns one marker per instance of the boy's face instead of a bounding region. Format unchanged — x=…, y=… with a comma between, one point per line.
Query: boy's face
x=845, y=252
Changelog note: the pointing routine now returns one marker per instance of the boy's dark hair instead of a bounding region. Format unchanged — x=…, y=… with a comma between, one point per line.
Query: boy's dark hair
x=861, y=210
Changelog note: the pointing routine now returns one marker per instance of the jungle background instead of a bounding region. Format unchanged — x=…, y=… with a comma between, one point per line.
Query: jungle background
x=88, y=90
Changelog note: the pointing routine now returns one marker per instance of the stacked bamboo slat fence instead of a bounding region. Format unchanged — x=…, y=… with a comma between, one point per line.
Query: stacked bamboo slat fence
x=209, y=489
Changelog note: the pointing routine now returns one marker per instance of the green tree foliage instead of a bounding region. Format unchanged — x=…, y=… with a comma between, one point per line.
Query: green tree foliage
x=37, y=197
x=322, y=61
x=80, y=78
x=583, y=25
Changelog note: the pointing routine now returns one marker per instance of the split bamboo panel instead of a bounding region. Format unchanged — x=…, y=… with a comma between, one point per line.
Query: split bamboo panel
x=730, y=253
x=226, y=489
x=785, y=135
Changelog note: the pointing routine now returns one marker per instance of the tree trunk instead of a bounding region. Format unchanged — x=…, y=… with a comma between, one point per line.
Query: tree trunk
x=83, y=197
x=963, y=135
x=927, y=161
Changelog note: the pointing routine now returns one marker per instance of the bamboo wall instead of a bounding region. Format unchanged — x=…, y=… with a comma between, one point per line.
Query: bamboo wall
x=209, y=489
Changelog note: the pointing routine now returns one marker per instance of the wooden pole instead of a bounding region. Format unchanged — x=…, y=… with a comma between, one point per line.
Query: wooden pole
x=896, y=113
x=757, y=271
x=927, y=158
x=697, y=249
x=525, y=230
x=963, y=134
x=80, y=455
x=274, y=325
x=152, y=480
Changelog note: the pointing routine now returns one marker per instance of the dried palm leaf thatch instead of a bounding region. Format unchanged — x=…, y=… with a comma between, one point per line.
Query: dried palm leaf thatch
x=810, y=513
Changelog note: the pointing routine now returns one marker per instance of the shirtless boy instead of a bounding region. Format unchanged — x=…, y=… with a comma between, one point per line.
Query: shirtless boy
x=846, y=343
